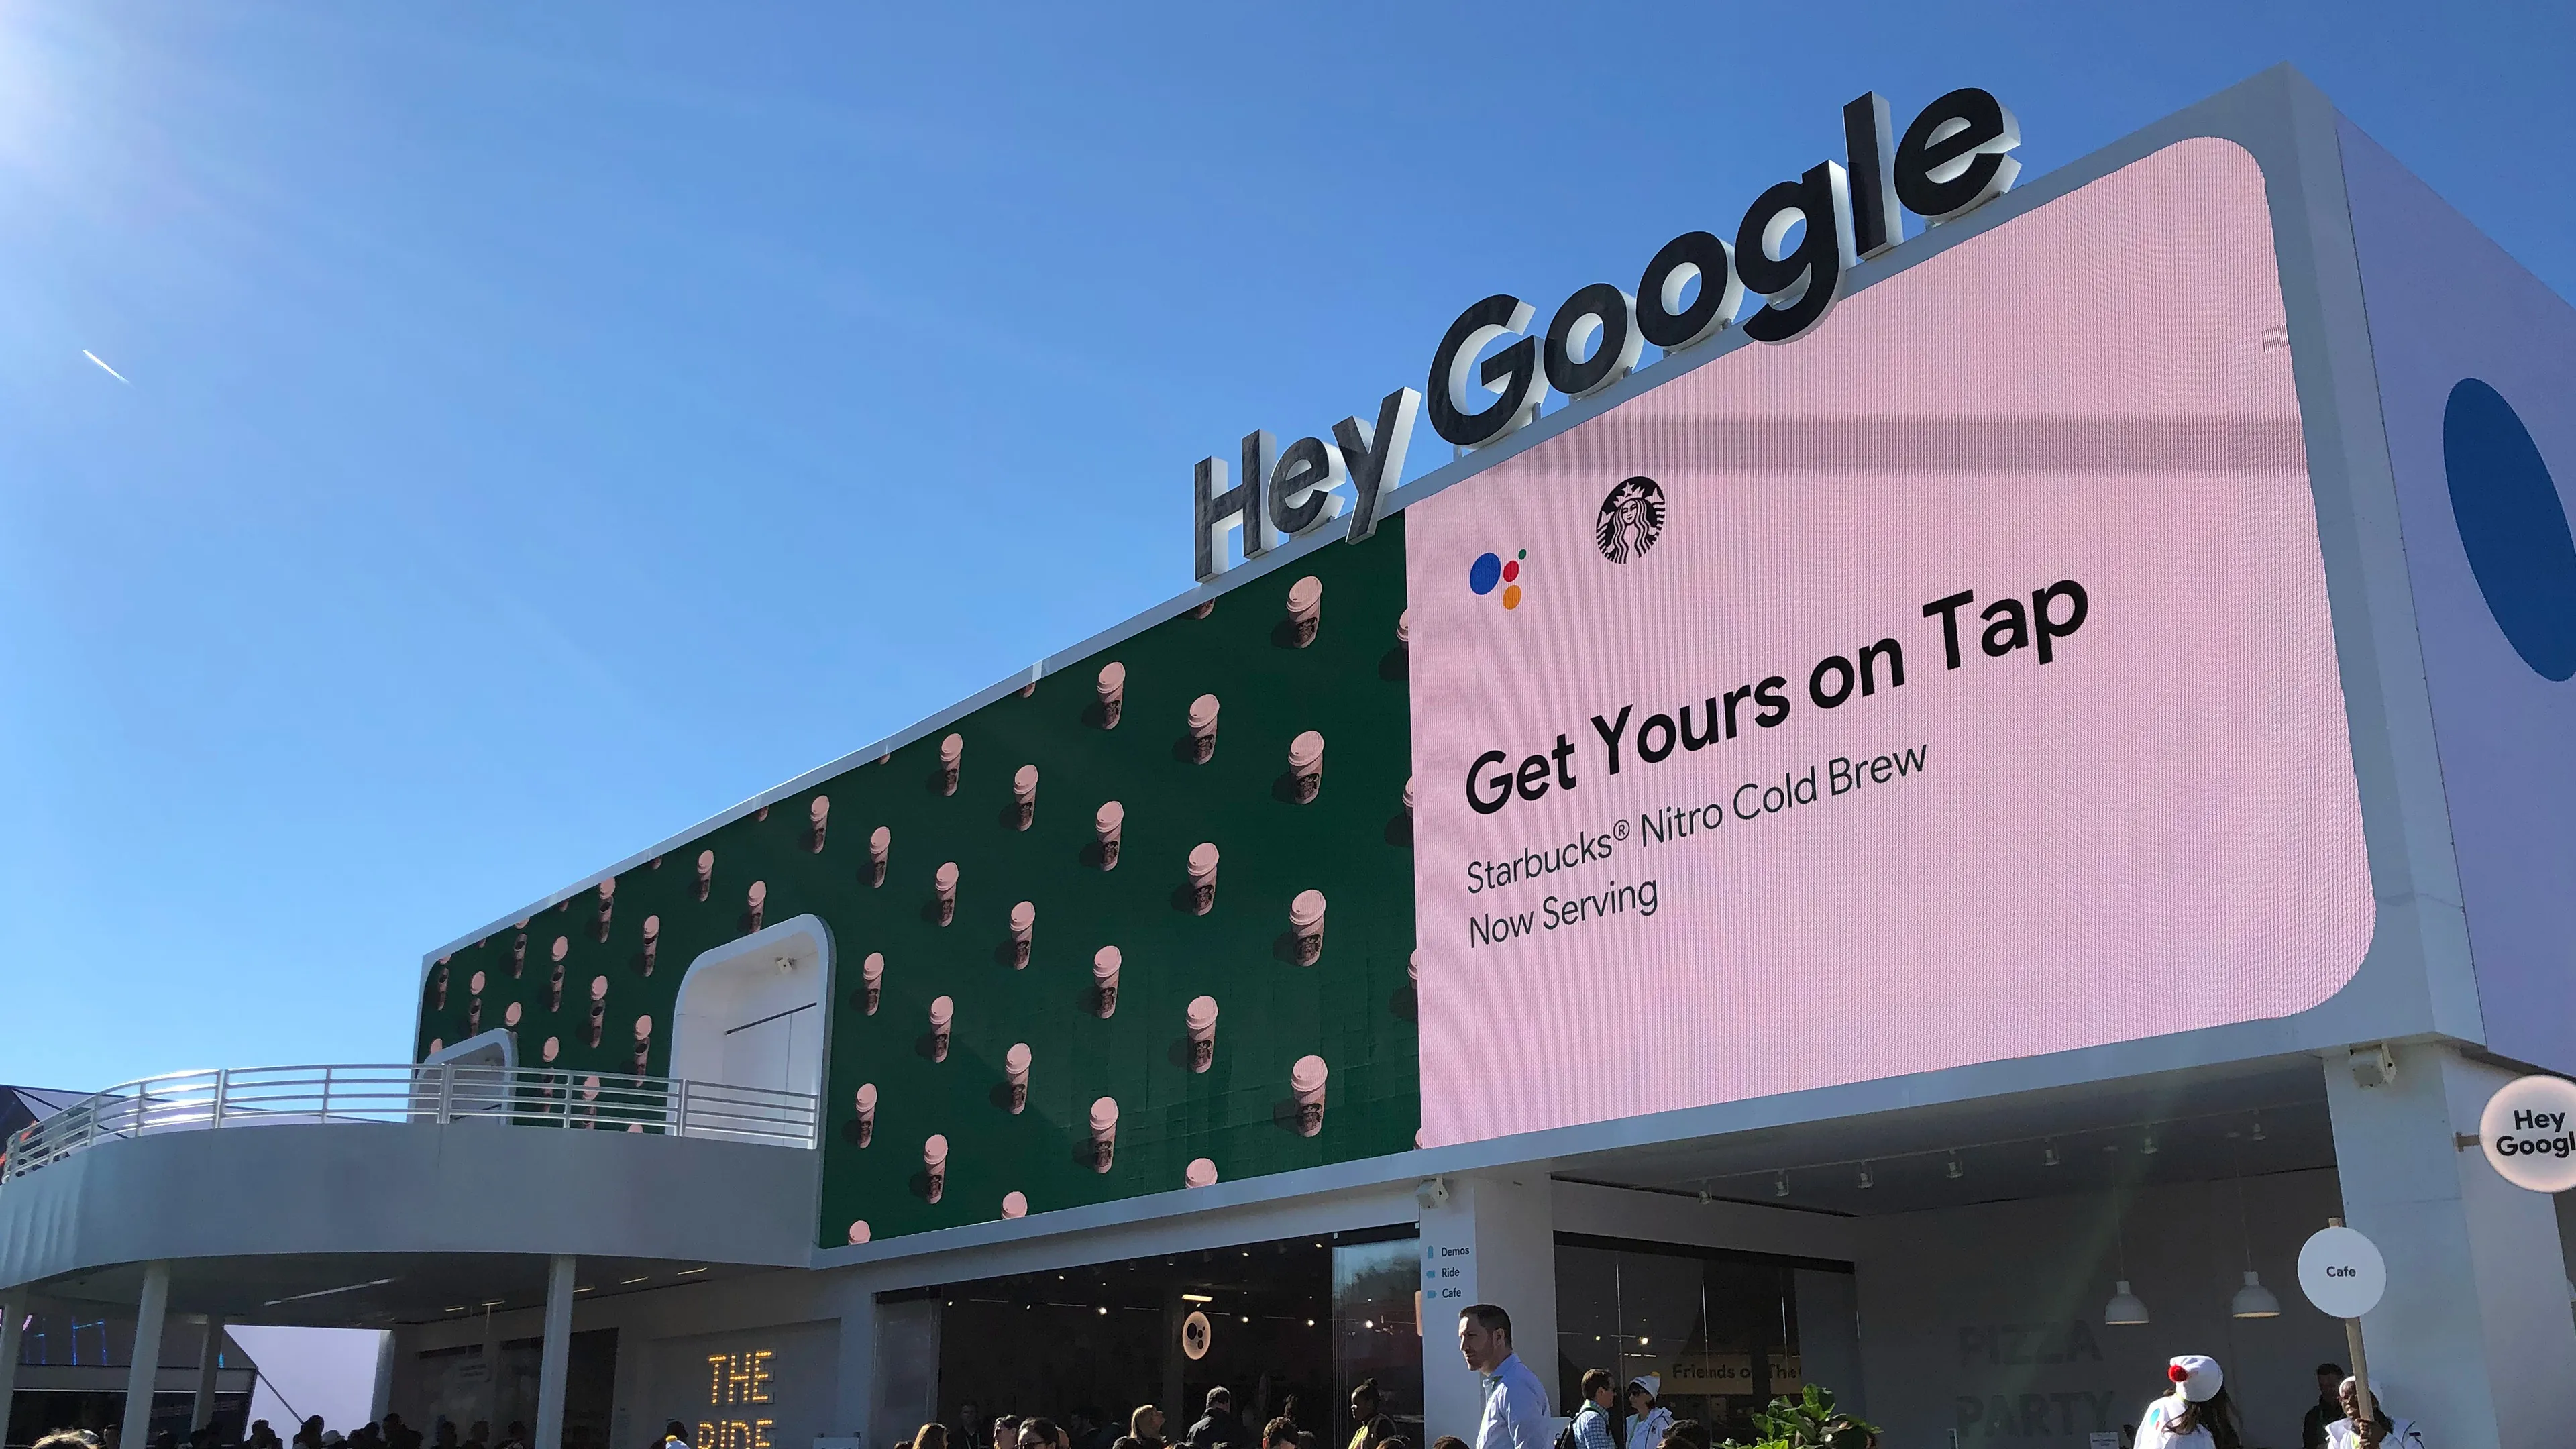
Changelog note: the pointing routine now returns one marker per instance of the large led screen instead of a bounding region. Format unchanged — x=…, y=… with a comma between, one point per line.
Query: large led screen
x=1951, y=685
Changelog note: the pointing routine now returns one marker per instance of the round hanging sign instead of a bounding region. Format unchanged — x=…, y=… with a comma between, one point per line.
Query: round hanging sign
x=2529, y=1133
x=2342, y=1273
x=1196, y=1335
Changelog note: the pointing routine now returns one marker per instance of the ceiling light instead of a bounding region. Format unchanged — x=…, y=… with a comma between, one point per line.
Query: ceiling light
x=685, y=1272
x=2124, y=1307
x=459, y=1308
x=1196, y=1298
x=586, y=1287
x=1310, y=1323
x=1955, y=1169
x=1104, y=1313
x=327, y=1292
x=1247, y=1317
x=491, y=1303
x=1368, y=1323
x=2254, y=1300
x=1641, y=1340
x=629, y=1282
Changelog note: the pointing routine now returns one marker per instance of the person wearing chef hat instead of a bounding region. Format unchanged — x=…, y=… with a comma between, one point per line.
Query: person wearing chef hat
x=2196, y=1413
x=1647, y=1419
x=2383, y=1432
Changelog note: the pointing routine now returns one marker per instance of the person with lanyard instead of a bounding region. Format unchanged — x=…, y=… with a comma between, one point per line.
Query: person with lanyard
x=1516, y=1409
x=2197, y=1414
x=2381, y=1432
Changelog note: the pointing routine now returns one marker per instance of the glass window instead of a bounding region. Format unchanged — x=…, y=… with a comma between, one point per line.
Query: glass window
x=1377, y=1335
x=1719, y=1332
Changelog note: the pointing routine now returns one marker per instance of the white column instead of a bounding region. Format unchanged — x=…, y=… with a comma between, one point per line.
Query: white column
x=557, y=1354
x=207, y=1358
x=2473, y=1339
x=13, y=1319
x=1492, y=1241
x=148, y=1317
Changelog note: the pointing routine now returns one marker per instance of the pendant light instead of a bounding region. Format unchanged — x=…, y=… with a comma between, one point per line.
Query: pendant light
x=2253, y=1300
x=2125, y=1307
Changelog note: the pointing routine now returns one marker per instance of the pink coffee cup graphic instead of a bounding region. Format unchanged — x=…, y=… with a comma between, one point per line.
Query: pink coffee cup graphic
x=818, y=822
x=519, y=952
x=1200, y=1173
x=1015, y=1204
x=1305, y=609
x=1404, y=629
x=934, y=1164
x=872, y=982
x=1201, y=1021
x=757, y=899
x=474, y=1016
x=1024, y=795
x=555, y=975
x=952, y=749
x=510, y=1015
x=1113, y=693
x=652, y=941
x=1306, y=922
x=1024, y=925
x=706, y=872
x=1104, y=1133
x=858, y=1231
x=1015, y=1075
x=1306, y=1083
x=943, y=883
x=943, y=1012
x=1104, y=981
x=551, y=1049
x=607, y=905
x=474, y=984
x=1108, y=823
x=1408, y=797
x=643, y=1042
x=1203, y=877
x=438, y=987
x=1203, y=728
x=1306, y=766
x=867, y=1105
x=598, y=1008
x=880, y=841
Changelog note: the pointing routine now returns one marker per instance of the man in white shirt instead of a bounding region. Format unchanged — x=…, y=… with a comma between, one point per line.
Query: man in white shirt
x=1515, y=1414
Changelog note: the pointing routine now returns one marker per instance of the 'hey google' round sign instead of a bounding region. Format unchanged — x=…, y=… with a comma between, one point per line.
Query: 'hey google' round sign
x=2529, y=1132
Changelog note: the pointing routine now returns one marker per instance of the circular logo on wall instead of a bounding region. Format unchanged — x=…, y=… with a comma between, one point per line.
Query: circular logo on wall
x=1632, y=518
x=1197, y=1336
x=2512, y=526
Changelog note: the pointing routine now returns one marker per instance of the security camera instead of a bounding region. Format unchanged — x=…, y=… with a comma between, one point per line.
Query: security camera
x=1431, y=1192
x=2374, y=1066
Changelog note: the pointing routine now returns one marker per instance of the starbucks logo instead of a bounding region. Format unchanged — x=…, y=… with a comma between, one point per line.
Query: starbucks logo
x=1632, y=518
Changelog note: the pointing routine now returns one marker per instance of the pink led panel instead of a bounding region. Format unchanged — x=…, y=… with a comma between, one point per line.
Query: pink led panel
x=2157, y=829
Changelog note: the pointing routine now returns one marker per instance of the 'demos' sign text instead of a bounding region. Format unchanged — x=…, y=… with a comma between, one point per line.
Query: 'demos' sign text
x=1953, y=158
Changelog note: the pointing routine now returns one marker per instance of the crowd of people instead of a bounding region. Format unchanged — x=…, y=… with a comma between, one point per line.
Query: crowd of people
x=389, y=1433
x=1217, y=1427
x=2194, y=1412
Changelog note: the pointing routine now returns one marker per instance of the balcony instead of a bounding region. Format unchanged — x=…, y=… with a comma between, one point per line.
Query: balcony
x=444, y=1094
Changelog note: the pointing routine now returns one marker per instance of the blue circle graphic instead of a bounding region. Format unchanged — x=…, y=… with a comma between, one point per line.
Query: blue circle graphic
x=2513, y=525
x=1484, y=573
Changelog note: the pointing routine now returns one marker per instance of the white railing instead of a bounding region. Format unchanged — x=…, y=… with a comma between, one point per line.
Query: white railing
x=233, y=1097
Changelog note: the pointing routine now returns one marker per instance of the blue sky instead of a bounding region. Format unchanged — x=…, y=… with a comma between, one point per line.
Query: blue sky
x=550, y=424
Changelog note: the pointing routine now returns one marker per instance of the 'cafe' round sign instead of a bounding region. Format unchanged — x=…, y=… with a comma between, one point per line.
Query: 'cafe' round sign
x=2342, y=1273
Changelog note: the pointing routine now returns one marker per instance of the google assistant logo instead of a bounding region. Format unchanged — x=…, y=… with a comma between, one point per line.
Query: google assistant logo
x=1491, y=569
